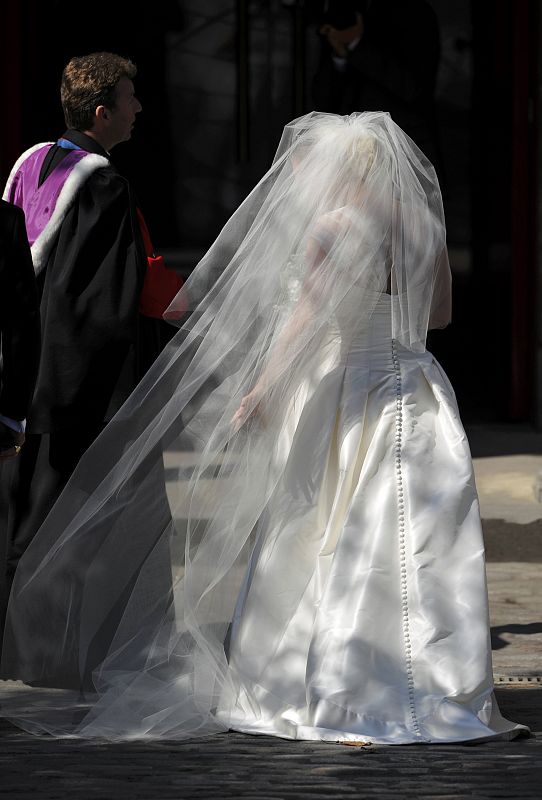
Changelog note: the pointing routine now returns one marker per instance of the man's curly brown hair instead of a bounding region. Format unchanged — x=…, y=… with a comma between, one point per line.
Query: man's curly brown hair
x=91, y=81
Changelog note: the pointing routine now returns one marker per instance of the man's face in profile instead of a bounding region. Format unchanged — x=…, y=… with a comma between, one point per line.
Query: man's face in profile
x=122, y=117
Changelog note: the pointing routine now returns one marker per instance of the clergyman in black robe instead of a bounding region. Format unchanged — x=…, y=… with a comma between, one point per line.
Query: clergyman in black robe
x=95, y=344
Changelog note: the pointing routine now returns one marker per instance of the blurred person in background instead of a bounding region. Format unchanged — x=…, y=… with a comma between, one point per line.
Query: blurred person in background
x=381, y=55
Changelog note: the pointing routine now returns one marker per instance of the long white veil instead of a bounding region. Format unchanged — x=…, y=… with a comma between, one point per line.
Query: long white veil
x=124, y=604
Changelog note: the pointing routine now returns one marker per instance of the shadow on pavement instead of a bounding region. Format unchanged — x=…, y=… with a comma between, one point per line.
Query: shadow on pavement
x=530, y=628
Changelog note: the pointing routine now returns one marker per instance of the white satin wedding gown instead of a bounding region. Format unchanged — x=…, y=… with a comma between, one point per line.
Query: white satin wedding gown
x=365, y=617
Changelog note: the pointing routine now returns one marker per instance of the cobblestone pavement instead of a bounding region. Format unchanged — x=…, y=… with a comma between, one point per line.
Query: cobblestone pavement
x=234, y=765
x=515, y=604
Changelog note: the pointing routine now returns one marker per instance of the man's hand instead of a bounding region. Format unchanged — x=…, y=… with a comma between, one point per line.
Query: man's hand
x=334, y=38
x=340, y=39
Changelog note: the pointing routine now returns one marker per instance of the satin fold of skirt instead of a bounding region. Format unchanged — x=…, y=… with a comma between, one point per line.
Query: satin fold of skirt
x=366, y=616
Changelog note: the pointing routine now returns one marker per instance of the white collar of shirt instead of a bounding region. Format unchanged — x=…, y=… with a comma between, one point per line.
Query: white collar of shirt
x=354, y=43
x=340, y=61
x=14, y=424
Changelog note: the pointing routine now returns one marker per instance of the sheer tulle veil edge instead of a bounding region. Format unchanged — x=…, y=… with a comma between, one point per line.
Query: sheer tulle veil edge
x=122, y=608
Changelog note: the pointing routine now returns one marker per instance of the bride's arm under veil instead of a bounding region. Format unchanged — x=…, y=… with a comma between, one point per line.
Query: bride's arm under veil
x=301, y=317
x=344, y=256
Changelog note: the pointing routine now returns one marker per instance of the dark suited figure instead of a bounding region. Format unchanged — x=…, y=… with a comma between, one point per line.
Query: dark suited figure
x=89, y=257
x=381, y=56
x=20, y=343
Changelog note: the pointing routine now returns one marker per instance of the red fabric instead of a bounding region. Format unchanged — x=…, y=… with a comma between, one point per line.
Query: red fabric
x=161, y=284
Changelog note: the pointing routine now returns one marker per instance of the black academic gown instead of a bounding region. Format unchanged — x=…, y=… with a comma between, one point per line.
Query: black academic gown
x=20, y=334
x=90, y=292
x=19, y=315
x=95, y=344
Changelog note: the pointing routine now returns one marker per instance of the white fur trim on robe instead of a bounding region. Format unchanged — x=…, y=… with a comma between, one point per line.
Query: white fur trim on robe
x=15, y=169
x=75, y=180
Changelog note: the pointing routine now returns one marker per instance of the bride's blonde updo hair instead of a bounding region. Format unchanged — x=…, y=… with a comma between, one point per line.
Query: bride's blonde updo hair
x=360, y=153
x=336, y=163
x=350, y=146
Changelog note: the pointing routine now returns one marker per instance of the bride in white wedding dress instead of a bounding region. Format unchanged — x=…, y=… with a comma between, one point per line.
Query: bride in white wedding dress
x=328, y=580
